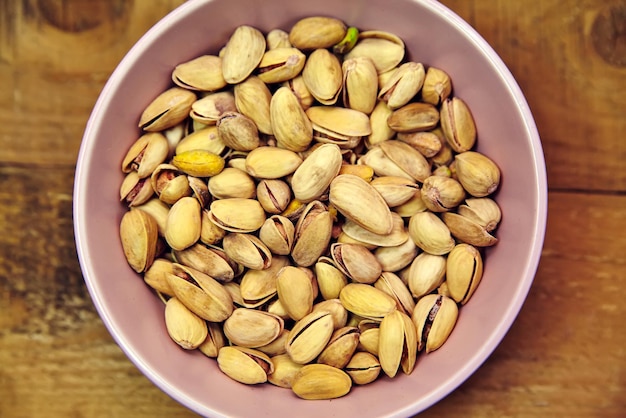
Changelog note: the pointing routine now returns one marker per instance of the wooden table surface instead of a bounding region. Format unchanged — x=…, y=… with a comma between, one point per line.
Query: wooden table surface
x=564, y=356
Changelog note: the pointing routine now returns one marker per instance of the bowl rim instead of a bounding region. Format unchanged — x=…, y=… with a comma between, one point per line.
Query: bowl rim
x=508, y=317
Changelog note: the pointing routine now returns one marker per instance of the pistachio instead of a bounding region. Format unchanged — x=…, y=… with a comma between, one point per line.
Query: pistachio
x=145, y=154
x=252, y=328
x=434, y=318
x=312, y=178
x=232, y=182
x=285, y=370
x=336, y=310
x=414, y=117
x=209, y=260
x=407, y=158
x=169, y=183
x=291, y=126
x=184, y=327
x=281, y=64
x=378, y=122
x=199, y=163
x=259, y=286
x=441, y=194
x=214, y=341
x=276, y=347
x=242, y=53
x=245, y=365
x=210, y=233
x=206, y=138
x=168, y=109
x=362, y=171
x=403, y=85
x=479, y=175
x=397, y=257
x=466, y=230
x=299, y=89
x=313, y=233
x=272, y=162
x=392, y=285
x=309, y=336
x=426, y=273
x=427, y=143
x=359, y=85
x=363, y=368
x=340, y=348
x=484, y=211
x=330, y=279
x=273, y=195
x=458, y=124
x=156, y=276
x=398, y=343
x=316, y=32
x=430, y=233
x=295, y=292
x=238, y=131
x=135, y=191
x=277, y=233
x=277, y=38
x=356, y=262
x=247, y=250
x=395, y=190
x=203, y=73
x=321, y=381
x=464, y=270
x=437, y=86
x=183, y=225
x=337, y=125
x=385, y=49
x=139, y=235
x=366, y=301
x=237, y=215
x=157, y=210
x=211, y=107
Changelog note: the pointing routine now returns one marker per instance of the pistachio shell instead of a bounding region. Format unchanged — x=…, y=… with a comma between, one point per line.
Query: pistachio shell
x=252, y=98
x=168, y=109
x=458, y=124
x=207, y=139
x=292, y=128
x=378, y=122
x=183, y=223
x=169, y=183
x=238, y=131
x=430, y=233
x=437, y=86
x=203, y=73
x=156, y=276
x=464, y=271
x=397, y=257
x=145, y=154
x=313, y=177
x=258, y=286
x=232, y=182
x=392, y=285
x=245, y=365
x=184, y=327
x=214, y=341
x=484, y=211
x=441, y=194
x=426, y=273
x=272, y=162
x=242, y=53
x=359, y=87
x=316, y=32
x=366, y=301
x=468, y=231
x=313, y=233
x=336, y=310
x=247, y=250
x=252, y=328
x=135, y=191
x=414, y=117
x=356, y=262
x=403, y=85
x=322, y=76
x=385, y=49
x=277, y=38
x=330, y=279
x=281, y=64
x=237, y=215
x=139, y=235
x=295, y=292
x=309, y=336
x=395, y=190
x=434, y=318
x=342, y=126
x=427, y=143
x=398, y=343
x=407, y=158
x=210, y=233
x=320, y=381
x=274, y=195
x=211, y=261
x=285, y=370
x=277, y=233
x=363, y=368
x=157, y=210
x=479, y=175
x=340, y=348
x=208, y=109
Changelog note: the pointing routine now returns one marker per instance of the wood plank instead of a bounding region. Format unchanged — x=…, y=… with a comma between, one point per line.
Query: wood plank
x=569, y=59
x=563, y=356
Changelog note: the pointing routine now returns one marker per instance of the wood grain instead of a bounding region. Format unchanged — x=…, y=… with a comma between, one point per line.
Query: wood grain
x=564, y=355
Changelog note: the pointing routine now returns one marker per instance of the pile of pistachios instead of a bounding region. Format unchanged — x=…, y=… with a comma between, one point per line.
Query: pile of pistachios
x=309, y=206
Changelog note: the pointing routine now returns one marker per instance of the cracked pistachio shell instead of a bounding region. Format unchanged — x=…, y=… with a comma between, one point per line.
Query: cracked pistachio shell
x=206, y=138
x=378, y=122
x=356, y=262
x=427, y=143
x=385, y=49
x=214, y=341
x=337, y=311
x=277, y=233
x=395, y=190
x=292, y=128
x=158, y=210
x=187, y=329
x=312, y=178
x=322, y=76
x=210, y=233
x=426, y=274
x=252, y=98
x=397, y=347
x=407, y=158
x=183, y=225
x=201, y=74
x=369, y=339
x=330, y=279
x=274, y=195
x=392, y=285
x=272, y=162
x=242, y=53
x=316, y=32
x=458, y=124
x=321, y=381
x=247, y=250
x=199, y=163
x=277, y=38
x=200, y=191
x=437, y=86
x=232, y=182
x=479, y=175
x=252, y=327
x=135, y=191
x=281, y=64
x=245, y=365
x=202, y=294
x=309, y=336
x=340, y=348
x=312, y=234
x=237, y=215
x=259, y=286
x=167, y=110
x=169, y=183
x=363, y=368
x=484, y=211
x=430, y=233
x=145, y=154
x=468, y=231
x=464, y=271
x=359, y=85
x=434, y=318
x=441, y=194
x=156, y=276
x=382, y=164
x=295, y=292
x=238, y=131
x=285, y=370
x=366, y=301
x=358, y=201
x=211, y=107
x=414, y=117
x=403, y=85
x=211, y=261
x=338, y=125
x=139, y=236
x=397, y=257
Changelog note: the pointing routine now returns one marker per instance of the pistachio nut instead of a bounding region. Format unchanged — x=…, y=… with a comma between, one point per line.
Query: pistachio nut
x=358, y=201
x=359, y=85
x=309, y=336
x=468, y=231
x=458, y=124
x=252, y=328
x=395, y=190
x=281, y=64
x=338, y=313
x=277, y=38
x=238, y=131
x=247, y=250
x=211, y=107
x=414, y=117
x=272, y=162
x=441, y=194
x=202, y=294
x=378, y=122
x=169, y=183
x=385, y=49
x=392, y=285
x=479, y=175
x=426, y=274
x=291, y=126
x=285, y=370
x=398, y=343
x=237, y=215
x=245, y=365
x=430, y=233
x=362, y=171
x=214, y=341
x=366, y=301
x=210, y=233
x=340, y=348
x=356, y=262
x=321, y=381
x=338, y=125
x=434, y=318
x=156, y=276
x=437, y=86
x=259, y=286
x=330, y=279
x=277, y=233
x=199, y=163
x=252, y=98
x=312, y=234
x=157, y=210
x=145, y=154
x=210, y=260
x=187, y=329
x=484, y=211
x=403, y=85
x=427, y=143
x=312, y=178
x=135, y=191
x=183, y=225
x=273, y=195
x=232, y=182
x=397, y=257
x=363, y=368
x=295, y=292
x=316, y=32
x=168, y=109
x=464, y=271
x=242, y=53
x=203, y=73
x=206, y=138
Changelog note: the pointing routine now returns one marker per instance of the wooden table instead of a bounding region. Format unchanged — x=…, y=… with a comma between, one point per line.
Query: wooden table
x=564, y=356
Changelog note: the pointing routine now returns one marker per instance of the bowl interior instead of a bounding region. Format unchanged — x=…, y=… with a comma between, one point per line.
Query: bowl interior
x=434, y=36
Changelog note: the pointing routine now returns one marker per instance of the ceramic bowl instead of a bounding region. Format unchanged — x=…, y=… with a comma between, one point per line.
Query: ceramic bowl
x=435, y=36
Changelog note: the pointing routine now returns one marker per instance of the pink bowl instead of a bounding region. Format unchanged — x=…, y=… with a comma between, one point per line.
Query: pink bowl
x=435, y=36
